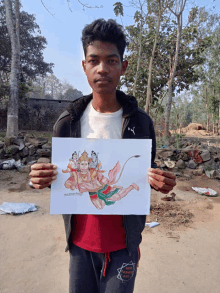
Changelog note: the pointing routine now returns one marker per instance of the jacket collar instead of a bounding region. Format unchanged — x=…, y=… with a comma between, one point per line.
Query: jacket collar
x=128, y=103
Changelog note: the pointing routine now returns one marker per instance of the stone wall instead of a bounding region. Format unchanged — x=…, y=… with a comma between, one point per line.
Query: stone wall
x=24, y=150
x=187, y=161
x=190, y=160
x=36, y=114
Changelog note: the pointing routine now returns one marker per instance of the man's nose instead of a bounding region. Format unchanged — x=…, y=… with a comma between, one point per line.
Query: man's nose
x=103, y=67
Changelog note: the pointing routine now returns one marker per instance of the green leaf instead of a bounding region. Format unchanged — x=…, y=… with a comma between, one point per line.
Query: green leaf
x=118, y=9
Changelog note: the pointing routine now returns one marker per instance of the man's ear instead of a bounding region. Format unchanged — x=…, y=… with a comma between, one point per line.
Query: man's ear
x=84, y=65
x=124, y=67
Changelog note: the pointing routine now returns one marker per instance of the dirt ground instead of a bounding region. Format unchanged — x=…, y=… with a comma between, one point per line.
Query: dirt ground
x=180, y=255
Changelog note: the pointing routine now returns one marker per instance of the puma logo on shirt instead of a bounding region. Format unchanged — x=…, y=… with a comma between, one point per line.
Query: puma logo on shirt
x=132, y=129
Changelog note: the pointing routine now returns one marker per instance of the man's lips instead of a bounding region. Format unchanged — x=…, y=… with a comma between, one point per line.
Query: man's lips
x=103, y=79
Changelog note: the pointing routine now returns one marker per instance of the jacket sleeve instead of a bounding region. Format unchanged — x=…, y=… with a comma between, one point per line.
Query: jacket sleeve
x=147, y=130
x=153, y=153
x=62, y=126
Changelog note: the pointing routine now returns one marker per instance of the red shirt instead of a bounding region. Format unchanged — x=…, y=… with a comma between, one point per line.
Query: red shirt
x=99, y=233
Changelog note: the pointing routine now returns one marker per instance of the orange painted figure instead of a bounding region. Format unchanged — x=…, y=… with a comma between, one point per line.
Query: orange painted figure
x=91, y=180
x=72, y=169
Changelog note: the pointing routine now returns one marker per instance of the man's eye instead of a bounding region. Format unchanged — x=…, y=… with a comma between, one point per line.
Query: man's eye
x=112, y=61
x=93, y=61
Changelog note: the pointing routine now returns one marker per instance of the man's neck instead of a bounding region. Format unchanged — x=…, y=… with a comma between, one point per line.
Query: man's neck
x=105, y=103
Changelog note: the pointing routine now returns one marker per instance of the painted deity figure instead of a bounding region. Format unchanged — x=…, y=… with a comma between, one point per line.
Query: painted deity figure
x=72, y=168
x=94, y=165
x=99, y=187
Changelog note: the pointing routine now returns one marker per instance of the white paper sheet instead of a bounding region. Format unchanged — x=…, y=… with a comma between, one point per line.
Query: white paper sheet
x=66, y=191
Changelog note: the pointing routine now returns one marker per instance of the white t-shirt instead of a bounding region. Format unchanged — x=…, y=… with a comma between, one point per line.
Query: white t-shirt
x=101, y=125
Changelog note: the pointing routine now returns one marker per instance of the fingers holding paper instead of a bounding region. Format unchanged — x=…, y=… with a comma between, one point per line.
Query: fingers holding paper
x=42, y=175
x=160, y=180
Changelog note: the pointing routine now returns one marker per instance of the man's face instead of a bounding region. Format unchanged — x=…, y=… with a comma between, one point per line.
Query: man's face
x=103, y=67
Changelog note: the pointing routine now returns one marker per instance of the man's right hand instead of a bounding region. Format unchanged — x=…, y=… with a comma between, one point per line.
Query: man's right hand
x=42, y=175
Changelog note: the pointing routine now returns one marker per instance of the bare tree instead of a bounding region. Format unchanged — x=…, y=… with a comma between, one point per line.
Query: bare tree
x=13, y=26
x=178, y=12
x=84, y=6
x=139, y=49
x=149, y=94
x=207, y=108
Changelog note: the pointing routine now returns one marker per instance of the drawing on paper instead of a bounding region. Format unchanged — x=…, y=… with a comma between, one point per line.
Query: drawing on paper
x=86, y=175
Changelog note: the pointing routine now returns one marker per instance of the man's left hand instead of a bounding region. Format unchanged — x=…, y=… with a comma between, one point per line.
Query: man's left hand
x=162, y=181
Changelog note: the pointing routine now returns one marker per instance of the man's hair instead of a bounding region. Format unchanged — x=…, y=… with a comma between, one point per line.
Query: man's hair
x=104, y=31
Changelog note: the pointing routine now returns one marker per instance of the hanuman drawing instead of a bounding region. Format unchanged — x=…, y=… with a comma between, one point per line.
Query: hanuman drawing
x=86, y=176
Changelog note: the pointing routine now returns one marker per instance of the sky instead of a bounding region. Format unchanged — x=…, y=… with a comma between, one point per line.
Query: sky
x=63, y=31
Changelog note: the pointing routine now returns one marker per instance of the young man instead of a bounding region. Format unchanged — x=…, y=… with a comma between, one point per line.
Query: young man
x=104, y=249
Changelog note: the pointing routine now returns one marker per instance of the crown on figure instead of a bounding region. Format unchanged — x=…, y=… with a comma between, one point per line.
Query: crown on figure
x=84, y=157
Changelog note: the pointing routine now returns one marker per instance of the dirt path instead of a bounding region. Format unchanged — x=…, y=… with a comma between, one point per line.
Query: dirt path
x=183, y=259
x=176, y=257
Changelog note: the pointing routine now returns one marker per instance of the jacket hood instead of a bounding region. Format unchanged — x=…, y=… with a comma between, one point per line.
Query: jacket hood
x=128, y=103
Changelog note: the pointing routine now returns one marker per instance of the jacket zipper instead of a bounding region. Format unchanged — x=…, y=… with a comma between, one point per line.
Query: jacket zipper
x=124, y=221
x=125, y=124
x=71, y=127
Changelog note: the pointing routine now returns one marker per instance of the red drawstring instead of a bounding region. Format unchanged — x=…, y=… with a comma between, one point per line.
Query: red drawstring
x=107, y=258
x=139, y=256
x=105, y=266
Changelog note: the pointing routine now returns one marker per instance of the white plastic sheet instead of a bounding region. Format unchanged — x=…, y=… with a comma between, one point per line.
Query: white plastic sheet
x=152, y=224
x=10, y=164
x=17, y=208
x=205, y=191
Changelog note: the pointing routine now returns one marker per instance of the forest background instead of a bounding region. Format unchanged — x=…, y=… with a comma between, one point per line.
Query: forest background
x=173, y=54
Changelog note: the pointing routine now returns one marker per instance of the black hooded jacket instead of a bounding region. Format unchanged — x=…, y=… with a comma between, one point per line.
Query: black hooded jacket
x=68, y=125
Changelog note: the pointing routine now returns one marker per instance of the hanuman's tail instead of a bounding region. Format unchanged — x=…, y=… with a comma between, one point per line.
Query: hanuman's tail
x=136, y=156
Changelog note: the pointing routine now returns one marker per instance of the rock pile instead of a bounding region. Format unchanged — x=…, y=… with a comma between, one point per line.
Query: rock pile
x=26, y=149
x=190, y=160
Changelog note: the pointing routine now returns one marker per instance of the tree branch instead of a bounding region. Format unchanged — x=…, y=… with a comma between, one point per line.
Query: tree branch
x=171, y=10
x=42, y=2
x=68, y=1
x=86, y=5
x=182, y=6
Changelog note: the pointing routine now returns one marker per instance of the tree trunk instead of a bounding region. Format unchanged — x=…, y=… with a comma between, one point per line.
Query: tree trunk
x=213, y=124
x=14, y=33
x=138, y=60
x=180, y=5
x=215, y=121
x=149, y=92
x=172, y=75
x=207, y=108
x=219, y=118
x=44, y=89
